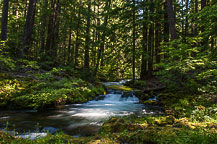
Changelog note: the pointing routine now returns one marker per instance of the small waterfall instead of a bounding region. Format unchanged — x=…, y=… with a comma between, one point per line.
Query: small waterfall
x=77, y=119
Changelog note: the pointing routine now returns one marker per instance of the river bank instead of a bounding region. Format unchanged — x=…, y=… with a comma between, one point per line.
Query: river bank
x=186, y=119
x=40, y=90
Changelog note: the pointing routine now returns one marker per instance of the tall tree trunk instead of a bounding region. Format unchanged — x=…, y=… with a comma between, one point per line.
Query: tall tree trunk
x=183, y=22
x=204, y=41
x=87, y=43
x=4, y=24
x=102, y=43
x=157, y=42
x=53, y=30
x=77, y=45
x=196, y=10
x=166, y=23
x=93, y=48
x=69, y=44
x=43, y=25
x=144, y=47
x=203, y=4
x=171, y=20
x=150, y=42
x=134, y=38
x=104, y=33
x=186, y=19
x=28, y=29
x=158, y=33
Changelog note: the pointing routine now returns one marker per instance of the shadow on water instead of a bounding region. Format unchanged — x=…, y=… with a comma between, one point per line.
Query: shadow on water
x=76, y=119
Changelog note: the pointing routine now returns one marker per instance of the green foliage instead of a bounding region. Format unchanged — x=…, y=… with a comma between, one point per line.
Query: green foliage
x=57, y=93
x=27, y=64
x=201, y=113
x=58, y=138
x=8, y=88
x=209, y=80
x=185, y=136
x=50, y=89
x=6, y=63
x=185, y=68
x=158, y=129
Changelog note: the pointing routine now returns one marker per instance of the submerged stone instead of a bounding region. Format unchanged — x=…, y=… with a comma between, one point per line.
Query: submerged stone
x=127, y=94
x=51, y=130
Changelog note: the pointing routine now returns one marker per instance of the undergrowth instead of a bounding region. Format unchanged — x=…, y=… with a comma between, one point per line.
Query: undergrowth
x=47, y=89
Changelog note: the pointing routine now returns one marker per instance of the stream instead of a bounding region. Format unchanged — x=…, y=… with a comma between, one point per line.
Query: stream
x=74, y=119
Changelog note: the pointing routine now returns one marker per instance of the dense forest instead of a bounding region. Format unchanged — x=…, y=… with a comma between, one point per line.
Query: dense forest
x=57, y=52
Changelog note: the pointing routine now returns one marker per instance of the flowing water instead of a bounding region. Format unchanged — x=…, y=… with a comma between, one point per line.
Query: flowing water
x=75, y=119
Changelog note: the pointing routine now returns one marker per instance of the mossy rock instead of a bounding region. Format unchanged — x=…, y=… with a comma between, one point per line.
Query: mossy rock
x=5, y=137
x=114, y=125
x=119, y=87
x=127, y=94
x=135, y=127
x=138, y=137
x=160, y=123
x=170, y=119
x=151, y=102
x=142, y=95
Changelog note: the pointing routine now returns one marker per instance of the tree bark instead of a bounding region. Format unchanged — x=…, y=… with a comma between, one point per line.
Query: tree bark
x=53, y=30
x=77, y=45
x=4, y=24
x=196, y=10
x=134, y=38
x=69, y=44
x=43, y=26
x=203, y=4
x=150, y=42
x=29, y=25
x=186, y=19
x=144, y=47
x=104, y=33
x=171, y=20
x=102, y=43
x=87, y=43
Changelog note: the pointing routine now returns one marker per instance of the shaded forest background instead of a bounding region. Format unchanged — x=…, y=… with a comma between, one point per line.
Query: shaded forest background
x=108, y=39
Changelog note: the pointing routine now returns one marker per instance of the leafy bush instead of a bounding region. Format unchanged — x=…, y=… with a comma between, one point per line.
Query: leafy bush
x=27, y=64
x=49, y=89
x=6, y=63
x=184, y=69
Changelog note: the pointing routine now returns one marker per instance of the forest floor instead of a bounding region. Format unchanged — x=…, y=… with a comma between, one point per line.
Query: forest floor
x=186, y=119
